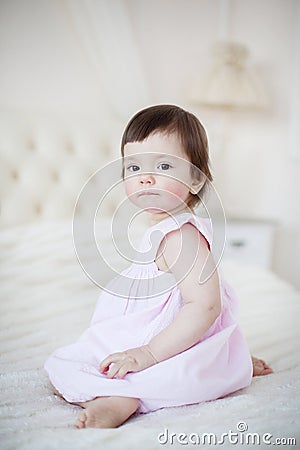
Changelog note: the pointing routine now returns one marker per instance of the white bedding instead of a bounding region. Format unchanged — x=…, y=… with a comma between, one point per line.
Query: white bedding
x=47, y=301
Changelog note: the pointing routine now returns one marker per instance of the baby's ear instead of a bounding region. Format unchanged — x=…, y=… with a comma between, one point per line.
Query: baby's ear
x=196, y=186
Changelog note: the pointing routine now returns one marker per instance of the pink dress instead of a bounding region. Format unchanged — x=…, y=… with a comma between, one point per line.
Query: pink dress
x=220, y=363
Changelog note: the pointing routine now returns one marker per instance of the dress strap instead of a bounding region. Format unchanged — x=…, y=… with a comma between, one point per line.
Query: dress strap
x=157, y=232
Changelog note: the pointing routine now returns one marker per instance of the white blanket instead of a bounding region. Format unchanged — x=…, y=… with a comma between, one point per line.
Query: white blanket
x=47, y=301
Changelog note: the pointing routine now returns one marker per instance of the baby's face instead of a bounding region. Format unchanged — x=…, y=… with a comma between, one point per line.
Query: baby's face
x=157, y=175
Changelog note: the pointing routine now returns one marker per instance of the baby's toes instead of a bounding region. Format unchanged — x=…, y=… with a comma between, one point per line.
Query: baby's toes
x=260, y=367
x=81, y=419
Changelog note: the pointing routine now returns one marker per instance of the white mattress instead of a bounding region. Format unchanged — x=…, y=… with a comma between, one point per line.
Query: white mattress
x=47, y=301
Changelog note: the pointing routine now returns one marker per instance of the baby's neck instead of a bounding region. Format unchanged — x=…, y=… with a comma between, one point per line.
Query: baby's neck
x=158, y=217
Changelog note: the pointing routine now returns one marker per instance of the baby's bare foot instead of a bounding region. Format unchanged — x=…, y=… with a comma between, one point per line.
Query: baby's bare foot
x=106, y=412
x=260, y=367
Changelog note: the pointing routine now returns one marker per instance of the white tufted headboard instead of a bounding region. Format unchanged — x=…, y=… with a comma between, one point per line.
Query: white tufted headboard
x=45, y=161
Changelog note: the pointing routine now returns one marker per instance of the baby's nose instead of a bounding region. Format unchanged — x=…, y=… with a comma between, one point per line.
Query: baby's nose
x=147, y=178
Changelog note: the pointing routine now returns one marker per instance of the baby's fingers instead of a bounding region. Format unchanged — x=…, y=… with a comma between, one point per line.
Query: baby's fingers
x=104, y=365
x=114, y=369
x=124, y=369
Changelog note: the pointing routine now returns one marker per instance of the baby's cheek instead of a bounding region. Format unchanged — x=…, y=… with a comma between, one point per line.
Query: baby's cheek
x=177, y=188
x=129, y=187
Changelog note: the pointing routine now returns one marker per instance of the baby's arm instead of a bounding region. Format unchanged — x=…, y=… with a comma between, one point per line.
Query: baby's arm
x=185, y=253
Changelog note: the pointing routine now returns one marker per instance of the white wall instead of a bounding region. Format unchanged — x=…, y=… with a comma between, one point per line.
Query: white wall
x=45, y=67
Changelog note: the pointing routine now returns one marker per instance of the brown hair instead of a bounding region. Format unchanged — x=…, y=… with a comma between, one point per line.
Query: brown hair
x=173, y=119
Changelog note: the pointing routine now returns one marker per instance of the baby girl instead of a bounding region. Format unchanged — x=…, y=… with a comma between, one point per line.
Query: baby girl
x=160, y=347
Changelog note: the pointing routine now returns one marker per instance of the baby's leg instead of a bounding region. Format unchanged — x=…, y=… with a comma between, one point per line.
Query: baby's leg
x=260, y=367
x=106, y=412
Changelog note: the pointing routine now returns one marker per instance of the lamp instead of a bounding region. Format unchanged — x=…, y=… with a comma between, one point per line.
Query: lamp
x=230, y=83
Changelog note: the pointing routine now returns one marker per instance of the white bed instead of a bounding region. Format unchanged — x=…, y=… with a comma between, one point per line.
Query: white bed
x=47, y=301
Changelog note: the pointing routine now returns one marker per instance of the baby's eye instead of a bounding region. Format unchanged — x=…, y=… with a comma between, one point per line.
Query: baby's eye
x=164, y=166
x=133, y=168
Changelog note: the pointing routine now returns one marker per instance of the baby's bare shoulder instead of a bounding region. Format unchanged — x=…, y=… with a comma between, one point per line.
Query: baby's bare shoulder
x=186, y=234
x=187, y=240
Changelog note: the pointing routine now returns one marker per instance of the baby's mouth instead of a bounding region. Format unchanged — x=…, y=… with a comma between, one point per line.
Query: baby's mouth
x=147, y=192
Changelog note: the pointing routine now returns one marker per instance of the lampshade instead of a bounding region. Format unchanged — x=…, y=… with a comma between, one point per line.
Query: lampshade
x=230, y=83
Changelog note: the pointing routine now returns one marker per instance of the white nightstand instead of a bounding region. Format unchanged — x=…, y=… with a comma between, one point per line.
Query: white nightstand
x=249, y=242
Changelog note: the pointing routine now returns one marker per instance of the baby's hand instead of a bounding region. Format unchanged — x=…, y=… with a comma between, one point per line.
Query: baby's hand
x=132, y=360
